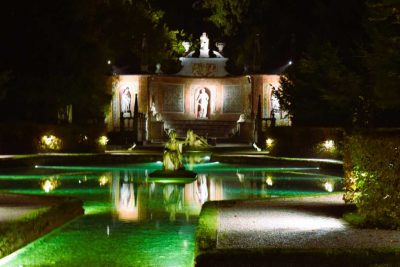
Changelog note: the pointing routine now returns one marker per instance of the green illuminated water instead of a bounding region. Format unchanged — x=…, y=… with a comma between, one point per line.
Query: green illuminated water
x=131, y=221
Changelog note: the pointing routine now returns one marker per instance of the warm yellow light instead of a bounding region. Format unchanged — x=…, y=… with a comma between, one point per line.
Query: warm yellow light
x=103, y=180
x=329, y=144
x=269, y=181
x=103, y=140
x=50, y=142
x=49, y=185
x=329, y=186
x=269, y=142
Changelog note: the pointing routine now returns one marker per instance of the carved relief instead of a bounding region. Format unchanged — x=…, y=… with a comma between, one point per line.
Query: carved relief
x=204, y=69
x=173, y=98
x=232, y=99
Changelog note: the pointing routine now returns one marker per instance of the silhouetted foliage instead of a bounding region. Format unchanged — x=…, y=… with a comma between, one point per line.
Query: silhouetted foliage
x=56, y=53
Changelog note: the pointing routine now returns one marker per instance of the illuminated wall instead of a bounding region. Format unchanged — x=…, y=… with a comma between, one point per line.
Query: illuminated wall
x=175, y=98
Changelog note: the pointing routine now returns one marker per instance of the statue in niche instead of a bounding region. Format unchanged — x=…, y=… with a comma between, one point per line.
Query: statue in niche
x=202, y=104
x=172, y=158
x=126, y=101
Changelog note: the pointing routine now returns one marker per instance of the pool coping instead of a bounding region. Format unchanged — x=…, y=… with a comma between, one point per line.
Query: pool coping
x=142, y=156
x=45, y=214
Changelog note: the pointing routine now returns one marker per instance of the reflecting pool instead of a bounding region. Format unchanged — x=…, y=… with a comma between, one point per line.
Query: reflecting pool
x=131, y=220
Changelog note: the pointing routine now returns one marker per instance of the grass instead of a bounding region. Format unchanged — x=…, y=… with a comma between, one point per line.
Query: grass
x=206, y=231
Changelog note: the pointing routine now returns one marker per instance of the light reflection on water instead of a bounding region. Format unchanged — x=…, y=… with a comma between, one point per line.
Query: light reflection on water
x=131, y=220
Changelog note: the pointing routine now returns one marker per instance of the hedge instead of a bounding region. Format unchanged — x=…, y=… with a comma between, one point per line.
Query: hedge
x=372, y=176
x=24, y=138
x=304, y=142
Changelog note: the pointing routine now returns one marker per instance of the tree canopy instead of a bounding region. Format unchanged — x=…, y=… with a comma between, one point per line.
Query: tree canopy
x=345, y=54
x=57, y=53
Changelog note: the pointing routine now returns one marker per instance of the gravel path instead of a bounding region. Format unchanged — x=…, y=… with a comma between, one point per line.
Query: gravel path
x=295, y=223
x=13, y=207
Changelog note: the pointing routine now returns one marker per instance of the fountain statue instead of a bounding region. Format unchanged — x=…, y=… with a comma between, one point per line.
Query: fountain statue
x=195, y=141
x=173, y=170
x=172, y=158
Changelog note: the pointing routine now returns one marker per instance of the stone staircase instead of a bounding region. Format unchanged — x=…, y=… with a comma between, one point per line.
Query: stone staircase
x=205, y=128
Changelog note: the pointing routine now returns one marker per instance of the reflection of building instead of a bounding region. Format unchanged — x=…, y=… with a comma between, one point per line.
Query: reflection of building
x=135, y=199
x=125, y=194
x=176, y=100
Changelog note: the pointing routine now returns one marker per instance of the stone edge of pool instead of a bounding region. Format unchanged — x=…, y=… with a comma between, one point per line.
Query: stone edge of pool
x=207, y=253
x=47, y=214
x=128, y=157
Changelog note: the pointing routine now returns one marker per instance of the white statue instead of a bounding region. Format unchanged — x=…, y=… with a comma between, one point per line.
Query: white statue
x=202, y=103
x=204, y=45
x=158, y=69
x=220, y=46
x=186, y=45
x=126, y=100
x=242, y=118
x=153, y=109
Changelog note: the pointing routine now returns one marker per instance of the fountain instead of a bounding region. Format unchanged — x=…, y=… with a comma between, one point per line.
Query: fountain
x=173, y=170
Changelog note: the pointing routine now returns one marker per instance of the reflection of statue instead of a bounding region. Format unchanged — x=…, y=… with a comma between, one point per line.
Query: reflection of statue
x=201, y=189
x=126, y=100
x=172, y=159
x=193, y=140
x=202, y=103
x=172, y=200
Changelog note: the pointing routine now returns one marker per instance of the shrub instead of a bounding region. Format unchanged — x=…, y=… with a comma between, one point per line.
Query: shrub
x=31, y=138
x=305, y=142
x=372, y=170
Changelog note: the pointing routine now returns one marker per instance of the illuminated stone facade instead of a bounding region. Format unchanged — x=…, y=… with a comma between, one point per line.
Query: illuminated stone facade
x=169, y=101
x=202, y=97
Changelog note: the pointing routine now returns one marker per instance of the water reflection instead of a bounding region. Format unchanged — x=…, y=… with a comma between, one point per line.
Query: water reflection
x=136, y=198
x=129, y=215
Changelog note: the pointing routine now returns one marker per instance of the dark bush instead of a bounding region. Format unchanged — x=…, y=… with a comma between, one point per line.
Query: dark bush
x=372, y=176
x=18, y=138
x=305, y=142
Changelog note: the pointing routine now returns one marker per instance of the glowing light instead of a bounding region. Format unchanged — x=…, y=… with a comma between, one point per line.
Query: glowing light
x=103, y=180
x=329, y=144
x=329, y=186
x=290, y=62
x=109, y=62
x=50, y=142
x=49, y=184
x=269, y=143
x=103, y=140
x=269, y=181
